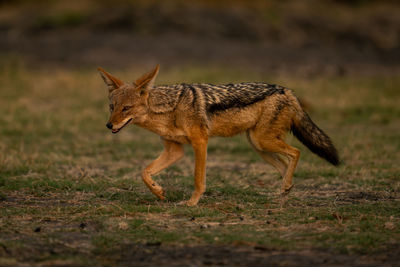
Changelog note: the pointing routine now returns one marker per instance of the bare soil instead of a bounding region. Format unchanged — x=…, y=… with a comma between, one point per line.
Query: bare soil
x=74, y=246
x=245, y=255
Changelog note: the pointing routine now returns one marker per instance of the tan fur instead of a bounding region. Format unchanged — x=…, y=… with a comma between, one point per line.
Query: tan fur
x=191, y=114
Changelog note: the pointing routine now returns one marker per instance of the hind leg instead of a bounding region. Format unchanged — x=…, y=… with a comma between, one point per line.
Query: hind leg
x=271, y=158
x=274, y=160
x=270, y=143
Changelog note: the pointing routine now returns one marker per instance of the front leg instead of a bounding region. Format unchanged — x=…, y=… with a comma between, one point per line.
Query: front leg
x=200, y=152
x=172, y=153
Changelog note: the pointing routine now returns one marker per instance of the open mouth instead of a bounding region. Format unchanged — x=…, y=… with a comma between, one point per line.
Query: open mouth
x=114, y=131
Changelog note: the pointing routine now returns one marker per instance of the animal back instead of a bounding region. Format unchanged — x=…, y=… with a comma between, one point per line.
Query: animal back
x=227, y=96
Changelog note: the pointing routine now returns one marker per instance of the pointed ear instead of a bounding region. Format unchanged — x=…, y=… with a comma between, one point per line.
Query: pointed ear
x=147, y=80
x=111, y=81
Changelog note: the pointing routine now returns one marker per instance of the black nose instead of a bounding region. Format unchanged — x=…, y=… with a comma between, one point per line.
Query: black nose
x=109, y=125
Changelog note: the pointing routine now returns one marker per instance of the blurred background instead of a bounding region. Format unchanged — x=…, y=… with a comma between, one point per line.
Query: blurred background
x=306, y=38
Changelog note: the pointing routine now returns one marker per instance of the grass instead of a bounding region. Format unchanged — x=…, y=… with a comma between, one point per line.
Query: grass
x=69, y=186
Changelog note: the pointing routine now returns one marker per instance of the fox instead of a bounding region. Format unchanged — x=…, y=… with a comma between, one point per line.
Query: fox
x=192, y=113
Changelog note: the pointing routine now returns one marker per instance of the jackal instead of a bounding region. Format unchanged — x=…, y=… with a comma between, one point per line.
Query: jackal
x=192, y=113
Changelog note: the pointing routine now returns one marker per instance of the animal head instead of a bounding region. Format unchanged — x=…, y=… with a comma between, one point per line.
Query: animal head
x=128, y=102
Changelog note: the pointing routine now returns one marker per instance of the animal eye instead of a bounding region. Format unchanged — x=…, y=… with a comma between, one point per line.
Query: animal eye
x=126, y=108
x=111, y=107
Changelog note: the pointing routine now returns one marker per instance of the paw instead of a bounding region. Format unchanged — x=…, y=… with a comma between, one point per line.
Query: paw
x=193, y=200
x=189, y=203
x=161, y=196
x=159, y=192
x=286, y=189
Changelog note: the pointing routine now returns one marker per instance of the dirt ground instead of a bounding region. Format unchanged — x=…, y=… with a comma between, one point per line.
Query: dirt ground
x=75, y=246
x=246, y=256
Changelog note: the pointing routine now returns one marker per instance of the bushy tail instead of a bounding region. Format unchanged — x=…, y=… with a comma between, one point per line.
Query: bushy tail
x=314, y=138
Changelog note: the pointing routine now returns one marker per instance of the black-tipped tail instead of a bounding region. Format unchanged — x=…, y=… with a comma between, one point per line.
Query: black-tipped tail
x=315, y=139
